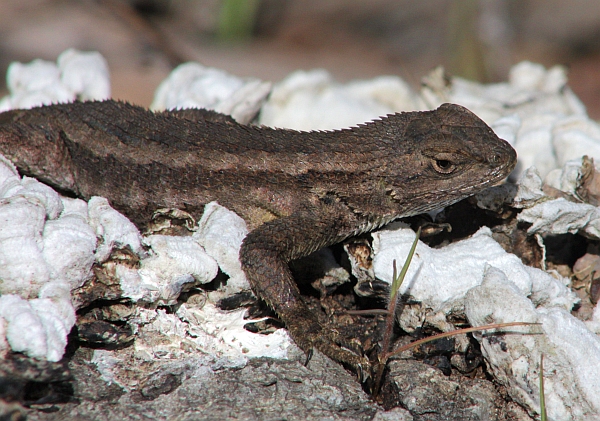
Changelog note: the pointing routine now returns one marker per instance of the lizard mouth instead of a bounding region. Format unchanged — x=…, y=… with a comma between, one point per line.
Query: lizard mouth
x=504, y=161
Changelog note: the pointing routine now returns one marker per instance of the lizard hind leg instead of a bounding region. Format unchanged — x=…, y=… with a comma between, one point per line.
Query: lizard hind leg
x=264, y=256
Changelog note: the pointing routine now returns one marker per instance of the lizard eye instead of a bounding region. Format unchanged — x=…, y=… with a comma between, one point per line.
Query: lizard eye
x=443, y=166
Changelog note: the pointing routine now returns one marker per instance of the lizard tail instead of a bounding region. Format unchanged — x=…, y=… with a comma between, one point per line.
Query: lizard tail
x=36, y=148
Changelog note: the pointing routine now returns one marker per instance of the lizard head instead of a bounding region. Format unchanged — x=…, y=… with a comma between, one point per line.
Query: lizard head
x=444, y=156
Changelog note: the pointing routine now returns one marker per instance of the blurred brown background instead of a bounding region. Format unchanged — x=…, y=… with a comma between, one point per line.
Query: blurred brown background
x=144, y=39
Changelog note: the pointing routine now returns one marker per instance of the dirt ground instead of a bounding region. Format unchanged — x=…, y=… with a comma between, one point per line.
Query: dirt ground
x=143, y=39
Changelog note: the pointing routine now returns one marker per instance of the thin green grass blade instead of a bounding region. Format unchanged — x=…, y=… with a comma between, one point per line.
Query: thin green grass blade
x=397, y=281
x=543, y=415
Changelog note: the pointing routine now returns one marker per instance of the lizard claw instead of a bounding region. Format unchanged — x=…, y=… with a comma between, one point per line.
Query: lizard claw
x=363, y=373
x=309, y=355
x=310, y=334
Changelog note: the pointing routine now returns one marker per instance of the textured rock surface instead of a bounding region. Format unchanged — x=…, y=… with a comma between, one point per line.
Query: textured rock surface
x=192, y=390
x=431, y=396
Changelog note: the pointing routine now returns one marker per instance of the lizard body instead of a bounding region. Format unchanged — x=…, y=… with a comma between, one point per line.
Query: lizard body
x=298, y=191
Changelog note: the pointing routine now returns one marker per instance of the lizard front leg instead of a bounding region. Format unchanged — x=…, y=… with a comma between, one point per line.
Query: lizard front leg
x=265, y=254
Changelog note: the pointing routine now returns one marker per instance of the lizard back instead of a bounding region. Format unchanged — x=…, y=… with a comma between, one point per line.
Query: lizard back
x=143, y=160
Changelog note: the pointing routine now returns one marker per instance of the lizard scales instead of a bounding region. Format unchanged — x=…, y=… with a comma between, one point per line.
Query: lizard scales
x=298, y=191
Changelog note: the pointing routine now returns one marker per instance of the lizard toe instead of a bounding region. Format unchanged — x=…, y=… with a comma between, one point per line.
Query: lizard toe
x=330, y=344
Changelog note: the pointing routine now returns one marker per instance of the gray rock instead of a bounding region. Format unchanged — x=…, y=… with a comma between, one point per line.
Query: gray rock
x=196, y=389
x=431, y=396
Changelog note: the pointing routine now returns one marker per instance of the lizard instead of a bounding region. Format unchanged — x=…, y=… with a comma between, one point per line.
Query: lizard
x=297, y=191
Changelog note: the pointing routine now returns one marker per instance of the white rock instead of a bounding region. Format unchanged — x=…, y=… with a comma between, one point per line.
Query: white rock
x=34, y=84
x=534, y=143
x=487, y=101
x=559, y=216
x=76, y=207
x=40, y=256
x=529, y=189
x=192, y=85
x=4, y=345
x=36, y=192
x=105, y=362
x=222, y=333
x=578, y=361
x=571, y=352
x=55, y=326
x=85, y=74
x=37, y=327
x=60, y=294
x=115, y=228
x=390, y=91
x=25, y=332
x=78, y=75
x=34, y=76
x=245, y=103
x=441, y=277
x=35, y=247
x=23, y=269
x=175, y=262
x=8, y=171
x=594, y=323
x=221, y=232
x=534, y=77
x=566, y=178
x=69, y=246
x=574, y=137
x=313, y=101
x=132, y=285
x=177, y=336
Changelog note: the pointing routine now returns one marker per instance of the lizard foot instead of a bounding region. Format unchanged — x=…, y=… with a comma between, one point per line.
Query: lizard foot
x=309, y=334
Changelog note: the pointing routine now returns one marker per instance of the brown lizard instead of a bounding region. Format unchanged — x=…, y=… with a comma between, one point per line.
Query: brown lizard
x=298, y=191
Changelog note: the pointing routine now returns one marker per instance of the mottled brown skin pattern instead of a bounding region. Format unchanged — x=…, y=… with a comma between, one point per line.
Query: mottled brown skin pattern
x=298, y=191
